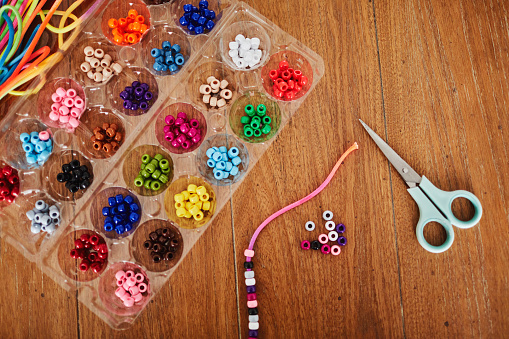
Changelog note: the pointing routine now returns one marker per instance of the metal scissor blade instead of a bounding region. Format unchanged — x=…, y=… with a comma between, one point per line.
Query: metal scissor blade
x=408, y=174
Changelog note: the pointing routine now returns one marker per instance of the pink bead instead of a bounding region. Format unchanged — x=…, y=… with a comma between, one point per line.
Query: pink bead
x=252, y=303
x=129, y=274
x=170, y=120
x=78, y=102
x=56, y=98
x=335, y=250
x=71, y=93
x=75, y=112
x=120, y=292
x=43, y=135
x=166, y=129
x=192, y=132
x=54, y=116
x=323, y=238
x=120, y=283
x=196, y=139
x=129, y=302
x=131, y=281
x=186, y=144
x=179, y=121
x=69, y=102
x=137, y=297
x=61, y=92
x=176, y=131
x=194, y=123
x=64, y=119
x=251, y=296
x=134, y=290
x=55, y=106
x=139, y=277
x=125, y=286
x=63, y=110
x=142, y=287
x=181, y=138
x=169, y=136
x=184, y=128
x=175, y=143
x=249, y=253
x=182, y=115
x=74, y=122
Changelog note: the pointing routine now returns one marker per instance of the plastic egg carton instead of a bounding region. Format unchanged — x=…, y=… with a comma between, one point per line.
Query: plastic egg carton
x=205, y=55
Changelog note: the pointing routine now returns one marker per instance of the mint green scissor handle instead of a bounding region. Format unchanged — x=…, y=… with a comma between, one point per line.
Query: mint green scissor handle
x=429, y=213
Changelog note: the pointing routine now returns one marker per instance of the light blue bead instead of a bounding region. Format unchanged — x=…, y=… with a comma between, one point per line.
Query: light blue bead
x=173, y=68
x=34, y=134
x=31, y=159
x=224, y=156
x=233, y=152
x=34, y=139
x=176, y=48
x=210, y=152
x=236, y=161
x=215, y=149
x=217, y=156
x=234, y=171
x=24, y=137
x=211, y=163
x=44, y=155
x=226, y=175
x=40, y=158
x=40, y=146
x=28, y=147
x=221, y=165
x=223, y=149
x=49, y=149
x=48, y=143
x=218, y=174
x=229, y=166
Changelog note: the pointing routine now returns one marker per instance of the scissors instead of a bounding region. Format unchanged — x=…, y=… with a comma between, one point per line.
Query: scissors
x=434, y=204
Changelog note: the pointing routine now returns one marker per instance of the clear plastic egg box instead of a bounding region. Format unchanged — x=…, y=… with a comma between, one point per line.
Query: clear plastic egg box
x=205, y=55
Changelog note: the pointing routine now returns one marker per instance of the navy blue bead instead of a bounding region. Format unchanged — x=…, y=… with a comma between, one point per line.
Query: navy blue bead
x=119, y=198
x=134, y=207
x=128, y=199
x=155, y=52
x=106, y=211
x=203, y=4
x=183, y=21
x=111, y=201
x=166, y=45
x=209, y=25
x=190, y=27
x=120, y=229
x=211, y=15
x=202, y=20
x=199, y=30
x=108, y=227
x=187, y=8
x=128, y=227
x=135, y=84
x=122, y=208
x=117, y=220
x=134, y=217
x=195, y=17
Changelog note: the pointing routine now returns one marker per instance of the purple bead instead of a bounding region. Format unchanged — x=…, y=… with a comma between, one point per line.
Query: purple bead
x=175, y=143
x=253, y=333
x=184, y=128
x=196, y=139
x=194, y=123
x=169, y=120
x=134, y=106
x=182, y=115
x=186, y=144
x=124, y=95
x=340, y=228
x=138, y=91
x=166, y=129
x=192, y=132
x=181, y=138
x=145, y=86
x=179, y=121
x=341, y=241
x=127, y=104
x=251, y=289
x=135, y=84
x=129, y=89
x=169, y=136
x=148, y=96
x=143, y=105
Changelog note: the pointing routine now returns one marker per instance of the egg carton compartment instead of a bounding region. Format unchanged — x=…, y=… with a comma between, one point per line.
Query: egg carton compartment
x=250, y=102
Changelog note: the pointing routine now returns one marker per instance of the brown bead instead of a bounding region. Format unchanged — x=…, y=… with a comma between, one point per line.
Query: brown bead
x=110, y=132
x=169, y=256
x=114, y=146
x=148, y=244
x=97, y=145
x=99, y=135
x=174, y=243
x=153, y=236
x=114, y=126
x=157, y=247
x=118, y=136
x=162, y=239
x=159, y=231
x=165, y=232
x=155, y=257
x=97, y=130
x=93, y=138
x=107, y=147
x=173, y=249
x=106, y=126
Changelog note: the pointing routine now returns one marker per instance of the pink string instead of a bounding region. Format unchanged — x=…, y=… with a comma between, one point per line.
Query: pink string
x=303, y=200
x=14, y=23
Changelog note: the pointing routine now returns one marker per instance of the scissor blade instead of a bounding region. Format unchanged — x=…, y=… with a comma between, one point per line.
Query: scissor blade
x=408, y=174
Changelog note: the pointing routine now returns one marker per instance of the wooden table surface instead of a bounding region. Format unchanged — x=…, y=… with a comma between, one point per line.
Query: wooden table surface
x=430, y=77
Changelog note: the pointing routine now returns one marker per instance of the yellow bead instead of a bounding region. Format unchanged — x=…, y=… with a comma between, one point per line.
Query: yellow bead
x=198, y=216
x=188, y=215
x=188, y=205
x=181, y=212
x=178, y=198
x=206, y=205
x=201, y=190
x=204, y=197
x=191, y=188
x=193, y=210
x=186, y=195
x=199, y=204
x=194, y=198
x=179, y=205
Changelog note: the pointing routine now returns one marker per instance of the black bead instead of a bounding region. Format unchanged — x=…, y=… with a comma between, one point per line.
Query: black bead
x=248, y=265
x=84, y=184
x=61, y=177
x=85, y=175
x=66, y=168
x=68, y=176
x=83, y=168
x=73, y=188
x=75, y=163
x=315, y=245
x=253, y=311
x=76, y=174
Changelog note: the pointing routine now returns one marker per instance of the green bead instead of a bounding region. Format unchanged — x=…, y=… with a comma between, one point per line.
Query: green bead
x=145, y=158
x=150, y=168
x=266, y=120
x=155, y=185
x=163, y=178
x=266, y=129
x=147, y=183
x=164, y=164
x=257, y=119
x=155, y=163
x=159, y=157
x=156, y=174
x=245, y=120
x=165, y=170
x=255, y=124
x=261, y=110
x=138, y=181
x=249, y=109
x=144, y=173
x=257, y=133
x=248, y=131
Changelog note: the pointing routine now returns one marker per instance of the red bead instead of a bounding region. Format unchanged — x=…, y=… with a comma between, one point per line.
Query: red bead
x=15, y=191
x=291, y=84
x=92, y=256
x=297, y=87
x=9, y=199
x=102, y=255
x=103, y=248
x=4, y=191
x=87, y=245
x=291, y=71
x=278, y=80
x=283, y=65
x=78, y=244
x=85, y=237
x=2, y=198
x=96, y=267
x=3, y=183
x=303, y=81
x=286, y=75
x=73, y=253
x=277, y=92
x=251, y=296
x=273, y=74
x=13, y=179
x=94, y=239
x=7, y=171
x=289, y=95
x=85, y=264
x=296, y=75
x=283, y=86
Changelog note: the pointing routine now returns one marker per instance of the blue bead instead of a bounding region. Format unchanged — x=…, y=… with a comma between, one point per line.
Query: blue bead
x=113, y=210
x=223, y=149
x=158, y=67
x=217, y=156
x=28, y=147
x=221, y=165
x=212, y=15
x=106, y=211
x=210, y=152
x=233, y=152
x=183, y=21
x=203, y=4
x=155, y=52
x=111, y=201
x=187, y=16
x=160, y=59
x=40, y=146
x=187, y=8
x=211, y=163
x=202, y=20
x=134, y=207
x=117, y=220
x=34, y=139
x=229, y=166
x=210, y=24
x=119, y=229
x=218, y=174
x=215, y=149
x=173, y=68
x=24, y=137
x=108, y=219
x=169, y=60
x=195, y=9
x=128, y=227
x=236, y=161
x=108, y=227
x=164, y=68
x=166, y=45
x=31, y=159
x=179, y=59
x=198, y=30
x=195, y=17
x=134, y=217
x=48, y=143
x=175, y=48
x=224, y=156
x=119, y=198
x=128, y=199
x=234, y=171
x=122, y=208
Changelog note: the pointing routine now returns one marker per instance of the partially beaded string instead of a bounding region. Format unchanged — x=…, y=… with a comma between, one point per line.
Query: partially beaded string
x=252, y=302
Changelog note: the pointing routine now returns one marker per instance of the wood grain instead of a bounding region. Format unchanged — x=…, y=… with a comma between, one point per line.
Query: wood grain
x=430, y=77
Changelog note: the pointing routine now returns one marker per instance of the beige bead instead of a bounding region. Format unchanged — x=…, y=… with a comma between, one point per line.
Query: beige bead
x=215, y=84
x=105, y=79
x=107, y=72
x=226, y=93
x=206, y=98
x=85, y=67
x=98, y=77
x=88, y=58
x=94, y=62
x=205, y=89
x=215, y=90
x=89, y=51
x=90, y=74
x=224, y=84
x=105, y=62
x=107, y=56
x=99, y=69
x=99, y=53
x=116, y=68
x=213, y=101
x=221, y=102
x=210, y=79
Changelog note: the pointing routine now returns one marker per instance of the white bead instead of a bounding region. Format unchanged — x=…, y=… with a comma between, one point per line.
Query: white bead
x=250, y=282
x=98, y=77
x=239, y=38
x=255, y=43
x=213, y=101
x=90, y=75
x=38, y=217
x=253, y=318
x=245, y=45
x=89, y=51
x=88, y=58
x=99, y=69
x=254, y=326
x=35, y=228
x=310, y=226
x=327, y=215
x=30, y=215
x=249, y=274
x=94, y=62
x=333, y=236
x=40, y=205
x=56, y=221
x=50, y=228
x=206, y=98
x=242, y=53
x=85, y=67
x=54, y=213
x=235, y=60
x=248, y=56
x=330, y=225
x=241, y=63
x=45, y=220
x=233, y=45
x=116, y=68
x=107, y=72
x=233, y=53
x=220, y=103
x=99, y=53
x=253, y=63
x=205, y=89
x=258, y=53
x=105, y=62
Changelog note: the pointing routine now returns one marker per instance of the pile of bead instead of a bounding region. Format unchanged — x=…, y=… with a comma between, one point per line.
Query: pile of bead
x=182, y=132
x=323, y=239
x=137, y=96
x=153, y=172
x=106, y=138
x=287, y=81
x=168, y=58
x=120, y=214
x=252, y=303
x=37, y=146
x=245, y=52
x=43, y=217
x=223, y=161
x=9, y=184
x=92, y=251
x=128, y=31
x=256, y=122
x=198, y=20
x=75, y=176
x=99, y=66
x=132, y=288
x=192, y=202
x=67, y=108
x=163, y=245
x=215, y=92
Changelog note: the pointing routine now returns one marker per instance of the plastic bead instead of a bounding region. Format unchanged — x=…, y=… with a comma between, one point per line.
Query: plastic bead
x=340, y=228
x=330, y=225
x=333, y=235
x=310, y=226
x=305, y=245
x=326, y=249
x=335, y=250
x=327, y=215
x=323, y=239
x=341, y=241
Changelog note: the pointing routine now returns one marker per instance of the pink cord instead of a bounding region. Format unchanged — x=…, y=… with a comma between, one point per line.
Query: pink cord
x=301, y=201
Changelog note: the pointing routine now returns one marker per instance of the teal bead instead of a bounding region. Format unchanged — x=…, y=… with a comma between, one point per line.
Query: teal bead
x=224, y=156
x=217, y=156
x=236, y=161
x=211, y=163
x=34, y=134
x=226, y=175
x=31, y=159
x=43, y=156
x=218, y=174
x=24, y=137
x=48, y=143
x=34, y=139
x=233, y=152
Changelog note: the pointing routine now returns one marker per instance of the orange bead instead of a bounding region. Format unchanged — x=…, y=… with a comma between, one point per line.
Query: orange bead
x=118, y=39
x=143, y=28
x=122, y=22
x=140, y=19
x=117, y=31
x=138, y=35
x=132, y=13
x=132, y=39
x=136, y=26
x=125, y=37
x=112, y=23
x=129, y=20
x=129, y=28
